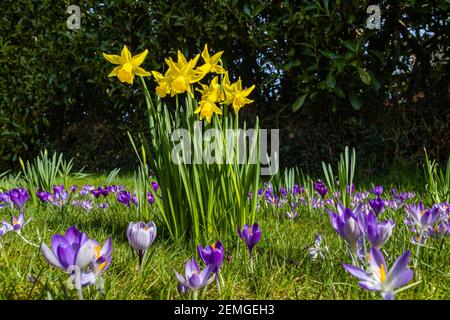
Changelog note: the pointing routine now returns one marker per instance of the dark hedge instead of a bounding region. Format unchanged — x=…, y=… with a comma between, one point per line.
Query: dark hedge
x=385, y=92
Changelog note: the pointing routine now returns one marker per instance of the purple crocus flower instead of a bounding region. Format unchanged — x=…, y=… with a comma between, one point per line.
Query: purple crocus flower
x=73, y=189
x=194, y=279
x=351, y=188
x=317, y=250
x=43, y=196
x=58, y=188
x=320, y=187
x=291, y=214
x=18, y=223
x=251, y=235
x=19, y=197
x=420, y=216
x=87, y=205
x=155, y=186
x=97, y=192
x=59, y=199
x=380, y=278
x=150, y=198
x=100, y=263
x=212, y=255
x=5, y=228
x=124, y=197
x=65, y=249
x=345, y=223
x=376, y=233
x=377, y=205
x=140, y=236
x=377, y=191
x=296, y=189
x=75, y=251
x=283, y=192
x=103, y=205
x=402, y=196
x=134, y=199
x=272, y=199
x=5, y=201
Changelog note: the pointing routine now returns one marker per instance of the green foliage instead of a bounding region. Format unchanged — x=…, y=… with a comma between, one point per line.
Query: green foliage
x=438, y=180
x=200, y=199
x=46, y=171
x=112, y=176
x=346, y=172
x=41, y=174
x=315, y=57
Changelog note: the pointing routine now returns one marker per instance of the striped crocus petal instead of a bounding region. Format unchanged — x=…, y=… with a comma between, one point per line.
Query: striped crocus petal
x=50, y=256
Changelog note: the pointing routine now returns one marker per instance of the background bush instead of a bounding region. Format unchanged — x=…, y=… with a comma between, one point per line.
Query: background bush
x=386, y=91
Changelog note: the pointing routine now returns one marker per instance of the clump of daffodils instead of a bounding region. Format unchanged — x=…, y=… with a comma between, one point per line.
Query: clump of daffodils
x=184, y=76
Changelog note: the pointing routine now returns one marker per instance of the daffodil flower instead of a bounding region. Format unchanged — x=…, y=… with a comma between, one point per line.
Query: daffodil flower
x=207, y=109
x=213, y=92
x=182, y=74
x=211, y=63
x=128, y=66
x=163, y=81
x=235, y=95
x=210, y=95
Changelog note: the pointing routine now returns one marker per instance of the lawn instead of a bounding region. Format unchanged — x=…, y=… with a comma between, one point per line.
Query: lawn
x=282, y=268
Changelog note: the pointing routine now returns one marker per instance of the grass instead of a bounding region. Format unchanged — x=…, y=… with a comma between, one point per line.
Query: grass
x=282, y=266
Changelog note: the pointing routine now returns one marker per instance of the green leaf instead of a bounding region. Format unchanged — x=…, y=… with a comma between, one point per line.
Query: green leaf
x=364, y=75
x=247, y=10
x=328, y=54
x=355, y=100
x=299, y=103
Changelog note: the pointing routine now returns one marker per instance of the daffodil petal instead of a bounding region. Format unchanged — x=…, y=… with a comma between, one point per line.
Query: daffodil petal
x=126, y=55
x=139, y=58
x=141, y=72
x=115, y=71
x=205, y=54
x=216, y=109
x=114, y=59
x=247, y=91
x=198, y=110
x=216, y=57
x=158, y=76
x=181, y=57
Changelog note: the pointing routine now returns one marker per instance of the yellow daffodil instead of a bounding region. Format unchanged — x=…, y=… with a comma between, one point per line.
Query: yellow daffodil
x=207, y=109
x=211, y=63
x=213, y=93
x=210, y=95
x=163, y=87
x=237, y=96
x=128, y=66
x=182, y=74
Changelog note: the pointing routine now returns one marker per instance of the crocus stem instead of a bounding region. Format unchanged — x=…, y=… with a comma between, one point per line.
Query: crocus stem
x=140, y=255
x=218, y=283
x=78, y=285
x=251, y=262
x=195, y=295
x=416, y=260
x=80, y=294
x=27, y=241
